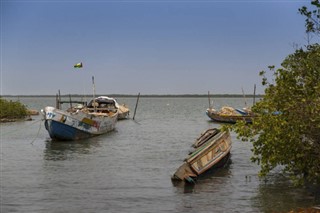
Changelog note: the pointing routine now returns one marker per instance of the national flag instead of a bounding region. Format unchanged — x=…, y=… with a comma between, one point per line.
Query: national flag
x=78, y=65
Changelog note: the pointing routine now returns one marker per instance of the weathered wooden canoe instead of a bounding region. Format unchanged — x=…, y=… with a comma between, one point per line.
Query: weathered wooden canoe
x=205, y=137
x=212, y=150
x=99, y=117
x=221, y=117
x=123, y=112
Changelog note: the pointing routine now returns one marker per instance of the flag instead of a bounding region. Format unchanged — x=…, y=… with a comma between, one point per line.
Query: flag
x=78, y=65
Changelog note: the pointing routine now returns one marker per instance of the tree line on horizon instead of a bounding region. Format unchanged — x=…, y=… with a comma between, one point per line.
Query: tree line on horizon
x=145, y=95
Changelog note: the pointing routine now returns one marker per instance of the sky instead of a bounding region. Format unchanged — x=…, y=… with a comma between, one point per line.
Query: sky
x=151, y=47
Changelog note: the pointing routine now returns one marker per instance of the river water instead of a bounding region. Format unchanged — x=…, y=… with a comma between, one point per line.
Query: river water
x=129, y=169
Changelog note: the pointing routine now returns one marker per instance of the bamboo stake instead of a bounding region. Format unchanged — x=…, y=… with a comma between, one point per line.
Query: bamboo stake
x=244, y=96
x=93, y=88
x=254, y=94
x=94, y=94
x=209, y=100
x=59, y=100
x=70, y=101
x=135, y=109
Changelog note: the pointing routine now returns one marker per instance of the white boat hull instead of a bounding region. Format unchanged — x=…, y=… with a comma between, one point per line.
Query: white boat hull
x=63, y=125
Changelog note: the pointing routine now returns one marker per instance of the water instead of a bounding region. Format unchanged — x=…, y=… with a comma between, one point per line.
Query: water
x=129, y=169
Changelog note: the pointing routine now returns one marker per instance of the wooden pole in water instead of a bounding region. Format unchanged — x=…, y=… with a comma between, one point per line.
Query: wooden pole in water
x=93, y=88
x=94, y=94
x=209, y=99
x=135, y=109
x=59, y=100
x=70, y=101
x=244, y=97
x=254, y=94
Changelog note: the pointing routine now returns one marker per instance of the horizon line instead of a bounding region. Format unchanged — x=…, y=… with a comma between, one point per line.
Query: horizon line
x=142, y=95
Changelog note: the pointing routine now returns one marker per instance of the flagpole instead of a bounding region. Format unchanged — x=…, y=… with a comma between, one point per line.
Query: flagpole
x=77, y=66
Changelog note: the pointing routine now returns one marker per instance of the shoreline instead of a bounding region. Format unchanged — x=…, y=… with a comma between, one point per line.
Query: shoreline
x=28, y=117
x=9, y=120
x=147, y=95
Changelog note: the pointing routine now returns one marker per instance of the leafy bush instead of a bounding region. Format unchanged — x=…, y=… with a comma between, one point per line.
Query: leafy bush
x=12, y=109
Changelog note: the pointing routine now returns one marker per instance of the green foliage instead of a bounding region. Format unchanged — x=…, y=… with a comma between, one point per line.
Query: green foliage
x=312, y=17
x=287, y=131
x=12, y=110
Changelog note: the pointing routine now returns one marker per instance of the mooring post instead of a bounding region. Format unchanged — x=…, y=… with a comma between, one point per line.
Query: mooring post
x=209, y=100
x=135, y=109
x=70, y=101
x=57, y=101
x=254, y=94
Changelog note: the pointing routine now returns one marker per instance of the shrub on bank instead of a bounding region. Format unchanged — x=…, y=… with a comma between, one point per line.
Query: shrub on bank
x=12, y=110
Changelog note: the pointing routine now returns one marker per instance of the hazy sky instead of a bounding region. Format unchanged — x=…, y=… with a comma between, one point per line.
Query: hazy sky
x=152, y=47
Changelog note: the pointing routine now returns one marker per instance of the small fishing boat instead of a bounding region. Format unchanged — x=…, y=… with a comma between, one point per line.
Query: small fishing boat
x=98, y=117
x=123, y=112
x=230, y=115
x=212, y=150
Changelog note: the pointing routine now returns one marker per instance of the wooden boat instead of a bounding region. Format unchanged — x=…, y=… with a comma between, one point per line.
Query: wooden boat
x=230, y=115
x=123, y=112
x=212, y=150
x=98, y=117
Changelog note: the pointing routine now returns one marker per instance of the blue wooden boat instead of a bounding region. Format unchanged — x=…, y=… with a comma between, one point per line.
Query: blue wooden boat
x=98, y=117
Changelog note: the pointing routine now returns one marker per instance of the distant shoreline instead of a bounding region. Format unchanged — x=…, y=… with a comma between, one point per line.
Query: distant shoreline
x=148, y=96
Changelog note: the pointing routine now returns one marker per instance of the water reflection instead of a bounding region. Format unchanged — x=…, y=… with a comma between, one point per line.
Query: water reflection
x=207, y=181
x=209, y=193
x=278, y=194
x=67, y=150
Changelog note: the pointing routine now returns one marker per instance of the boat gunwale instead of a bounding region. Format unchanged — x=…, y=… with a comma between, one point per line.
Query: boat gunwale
x=215, y=116
x=78, y=118
x=206, y=146
x=212, y=162
x=206, y=136
x=73, y=114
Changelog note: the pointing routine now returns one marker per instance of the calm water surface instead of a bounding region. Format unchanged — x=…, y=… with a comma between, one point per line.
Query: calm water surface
x=129, y=169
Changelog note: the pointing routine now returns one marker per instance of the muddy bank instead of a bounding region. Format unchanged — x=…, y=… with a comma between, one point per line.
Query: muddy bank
x=30, y=112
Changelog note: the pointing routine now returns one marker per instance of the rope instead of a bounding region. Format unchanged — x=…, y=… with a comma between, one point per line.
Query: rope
x=15, y=130
x=37, y=134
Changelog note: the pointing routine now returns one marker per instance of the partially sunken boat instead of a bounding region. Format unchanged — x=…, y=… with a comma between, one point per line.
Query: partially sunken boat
x=212, y=150
x=98, y=117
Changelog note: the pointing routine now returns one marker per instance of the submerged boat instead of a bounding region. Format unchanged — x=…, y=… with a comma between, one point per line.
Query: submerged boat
x=98, y=117
x=230, y=115
x=212, y=150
